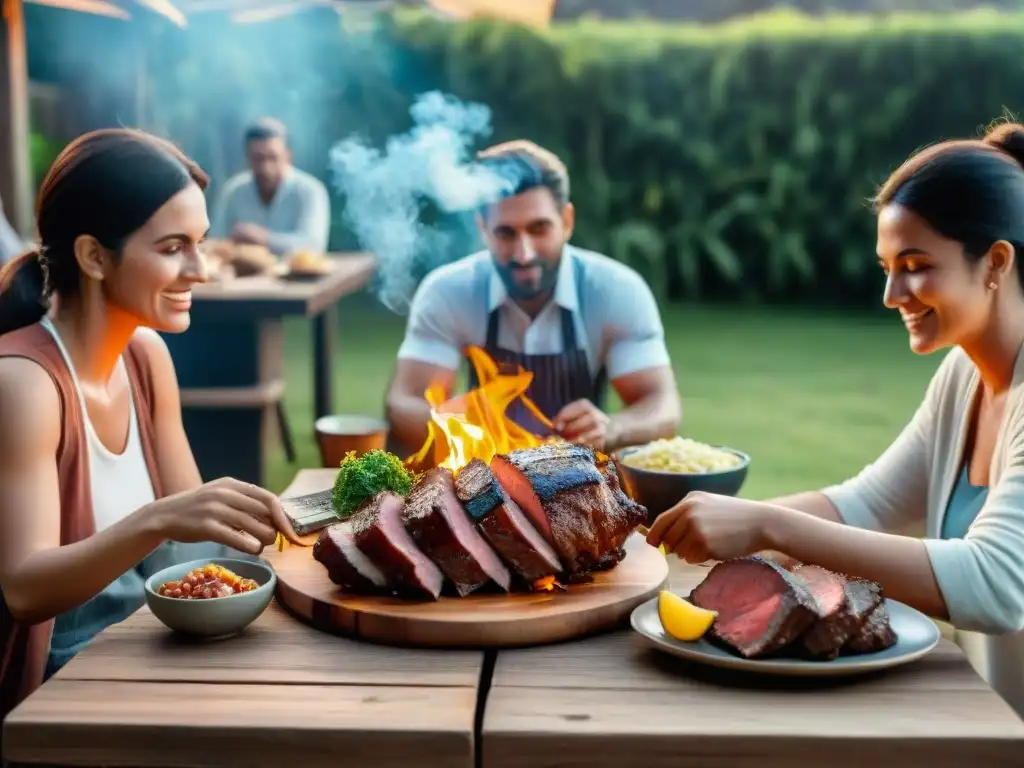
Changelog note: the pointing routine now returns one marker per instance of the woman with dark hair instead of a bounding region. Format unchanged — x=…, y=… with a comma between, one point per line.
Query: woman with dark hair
x=98, y=485
x=951, y=241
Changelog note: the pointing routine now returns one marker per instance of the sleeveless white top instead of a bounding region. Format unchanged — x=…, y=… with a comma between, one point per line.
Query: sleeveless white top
x=120, y=482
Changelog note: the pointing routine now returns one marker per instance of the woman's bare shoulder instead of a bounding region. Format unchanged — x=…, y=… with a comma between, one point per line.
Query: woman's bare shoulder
x=29, y=405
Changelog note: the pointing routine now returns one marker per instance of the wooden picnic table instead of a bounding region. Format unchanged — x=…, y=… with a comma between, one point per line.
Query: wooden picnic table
x=230, y=362
x=284, y=692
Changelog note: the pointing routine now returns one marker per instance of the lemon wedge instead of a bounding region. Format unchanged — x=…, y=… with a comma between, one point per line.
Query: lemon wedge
x=681, y=619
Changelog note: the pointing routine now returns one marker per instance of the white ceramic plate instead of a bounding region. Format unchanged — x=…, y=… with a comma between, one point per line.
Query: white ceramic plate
x=916, y=635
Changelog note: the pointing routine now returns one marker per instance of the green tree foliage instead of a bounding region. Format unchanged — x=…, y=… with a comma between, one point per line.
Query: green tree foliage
x=733, y=161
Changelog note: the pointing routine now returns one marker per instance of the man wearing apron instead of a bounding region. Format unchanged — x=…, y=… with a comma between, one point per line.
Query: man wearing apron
x=576, y=319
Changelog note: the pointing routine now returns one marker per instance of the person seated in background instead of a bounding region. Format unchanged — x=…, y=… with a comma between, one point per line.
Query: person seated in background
x=98, y=485
x=950, y=239
x=575, y=319
x=274, y=204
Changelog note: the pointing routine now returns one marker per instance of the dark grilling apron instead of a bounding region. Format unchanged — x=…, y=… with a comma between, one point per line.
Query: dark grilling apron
x=558, y=379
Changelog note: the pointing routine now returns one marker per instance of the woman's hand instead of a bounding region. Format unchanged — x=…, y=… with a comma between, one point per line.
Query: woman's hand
x=226, y=511
x=707, y=526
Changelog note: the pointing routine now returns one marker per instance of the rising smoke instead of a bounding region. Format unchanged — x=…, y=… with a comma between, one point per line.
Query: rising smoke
x=386, y=192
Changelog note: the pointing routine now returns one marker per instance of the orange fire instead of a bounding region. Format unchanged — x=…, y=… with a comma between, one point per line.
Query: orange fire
x=474, y=425
x=547, y=584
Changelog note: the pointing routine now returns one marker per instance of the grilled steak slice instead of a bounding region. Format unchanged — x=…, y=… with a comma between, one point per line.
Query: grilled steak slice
x=825, y=586
x=827, y=636
x=346, y=566
x=534, y=476
x=761, y=606
x=444, y=532
x=875, y=634
x=503, y=524
x=829, y=591
x=565, y=495
x=378, y=532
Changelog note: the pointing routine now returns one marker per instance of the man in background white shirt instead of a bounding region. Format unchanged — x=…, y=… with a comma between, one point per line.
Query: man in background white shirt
x=577, y=320
x=273, y=204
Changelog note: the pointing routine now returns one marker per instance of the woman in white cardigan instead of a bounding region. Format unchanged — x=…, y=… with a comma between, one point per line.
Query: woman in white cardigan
x=951, y=242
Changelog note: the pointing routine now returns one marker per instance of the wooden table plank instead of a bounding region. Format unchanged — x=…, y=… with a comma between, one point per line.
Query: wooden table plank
x=620, y=661
x=78, y=722
x=277, y=648
x=611, y=701
x=578, y=729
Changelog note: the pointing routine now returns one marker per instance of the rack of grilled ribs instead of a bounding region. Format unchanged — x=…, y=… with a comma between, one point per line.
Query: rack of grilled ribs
x=769, y=609
x=556, y=510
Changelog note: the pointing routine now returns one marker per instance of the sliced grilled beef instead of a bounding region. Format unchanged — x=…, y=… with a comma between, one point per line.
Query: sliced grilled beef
x=378, y=532
x=444, y=532
x=566, y=496
x=350, y=569
x=827, y=636
x=503, y=524
x=534, y=476
x=627, y=516
x=761, y=606
x=875, y=634
x=825, y=586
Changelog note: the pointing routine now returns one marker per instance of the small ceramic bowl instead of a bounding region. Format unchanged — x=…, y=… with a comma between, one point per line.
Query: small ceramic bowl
x=660, y=491
x=219, y=616
x=340, y=433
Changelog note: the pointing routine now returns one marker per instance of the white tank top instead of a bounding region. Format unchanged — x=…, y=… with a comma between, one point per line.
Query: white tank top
x=120, y=482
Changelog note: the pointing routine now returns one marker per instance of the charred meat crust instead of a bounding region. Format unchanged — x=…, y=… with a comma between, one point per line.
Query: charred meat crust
x=478, y=489
x=827, y=636
x=378, y=532
x=503, y=524
x=875, y=634
x=555, y=467
x=581, y=511
x=441, y=527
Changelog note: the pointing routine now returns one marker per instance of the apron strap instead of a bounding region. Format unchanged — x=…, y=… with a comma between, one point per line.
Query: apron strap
x=492, y=328
x=568, y=331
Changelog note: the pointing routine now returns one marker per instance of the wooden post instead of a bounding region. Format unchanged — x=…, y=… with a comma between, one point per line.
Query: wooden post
x=15, y=170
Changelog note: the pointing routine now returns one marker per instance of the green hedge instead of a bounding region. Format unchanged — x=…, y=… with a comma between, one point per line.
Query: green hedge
x=725, y=162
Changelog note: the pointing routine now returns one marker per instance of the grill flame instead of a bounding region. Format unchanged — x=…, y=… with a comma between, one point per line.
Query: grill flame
x=548, y=584
x=474, y=425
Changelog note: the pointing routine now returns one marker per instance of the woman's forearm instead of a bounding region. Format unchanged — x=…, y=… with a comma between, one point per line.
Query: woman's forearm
x=899, y=563
x=813, y=503
x=52, y=581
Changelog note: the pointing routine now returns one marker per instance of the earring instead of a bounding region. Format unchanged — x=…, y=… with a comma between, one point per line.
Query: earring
x=992, y=286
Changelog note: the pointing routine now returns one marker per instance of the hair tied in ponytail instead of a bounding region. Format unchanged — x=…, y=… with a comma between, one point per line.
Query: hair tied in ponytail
x=1009, y=137
x=44, y=266
x=23, y=297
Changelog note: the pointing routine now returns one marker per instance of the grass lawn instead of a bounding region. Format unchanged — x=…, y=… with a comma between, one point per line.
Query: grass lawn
x=812, y=397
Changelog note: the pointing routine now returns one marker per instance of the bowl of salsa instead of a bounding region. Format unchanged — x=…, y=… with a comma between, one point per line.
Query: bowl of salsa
x=211, y=598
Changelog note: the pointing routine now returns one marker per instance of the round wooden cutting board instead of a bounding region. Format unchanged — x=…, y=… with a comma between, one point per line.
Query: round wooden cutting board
x=479, y=621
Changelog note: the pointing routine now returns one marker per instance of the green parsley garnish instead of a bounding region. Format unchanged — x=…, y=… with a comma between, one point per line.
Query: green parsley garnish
x=360, y=477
